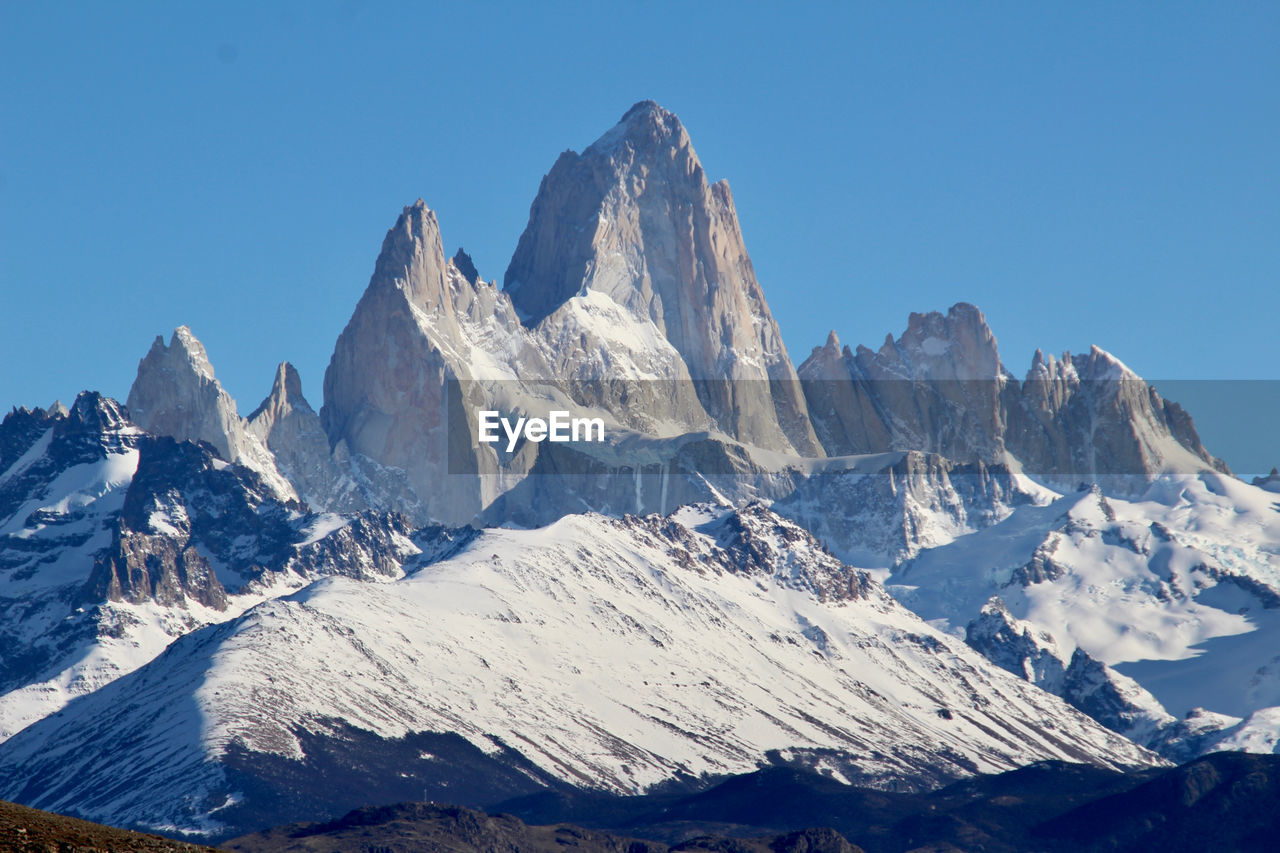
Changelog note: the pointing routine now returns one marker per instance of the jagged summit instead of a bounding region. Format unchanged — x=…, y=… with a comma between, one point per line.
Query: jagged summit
x=183, y=344
x=941, y=386
x=631, y=226
x=93, y=410
x=955, y=345
x=645, y=127
x=462, y=261
x=176, y=394
x=286, y=393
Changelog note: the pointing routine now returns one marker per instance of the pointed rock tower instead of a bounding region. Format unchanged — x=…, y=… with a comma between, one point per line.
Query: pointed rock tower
x=287, y=425
x=629, y=236
x=176, y=394
x=391, y=392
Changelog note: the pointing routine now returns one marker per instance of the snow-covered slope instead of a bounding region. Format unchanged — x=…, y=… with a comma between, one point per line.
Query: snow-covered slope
x=1178, y=590
x=598, y=652
x=114, y=542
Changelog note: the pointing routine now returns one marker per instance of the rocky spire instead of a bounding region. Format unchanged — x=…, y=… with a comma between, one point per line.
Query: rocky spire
x=466, y=266
x=287, y=425
x=386, y=388
x=285, y=397
x=633, y=219
x=176, y=394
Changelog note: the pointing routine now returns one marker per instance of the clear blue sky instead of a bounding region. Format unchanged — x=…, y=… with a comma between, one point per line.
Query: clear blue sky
x=1086, y=173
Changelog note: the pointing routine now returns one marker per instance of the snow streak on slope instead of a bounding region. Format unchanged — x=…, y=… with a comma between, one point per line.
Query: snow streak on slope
x=613, y=654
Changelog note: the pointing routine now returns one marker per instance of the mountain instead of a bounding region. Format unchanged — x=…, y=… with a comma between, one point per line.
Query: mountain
x=176, y=394
x=630, y=297
x=113, y=542
x=631, y=229
x=1178, y=590
x=607, y=653
x=222, y=622
x=941, y=387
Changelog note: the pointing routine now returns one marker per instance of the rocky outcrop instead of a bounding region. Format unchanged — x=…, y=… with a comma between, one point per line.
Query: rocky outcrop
x=942, y=388
x=176, y=394
x=890, y=508
x=139, y=567
x=1092, y=418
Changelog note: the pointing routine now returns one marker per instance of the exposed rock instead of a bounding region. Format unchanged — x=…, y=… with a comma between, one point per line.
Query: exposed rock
x=287, y=425
x=1271, y=482
x=632, y=225
x=1114, y=700
x=176, y=394
x=466, y=266
x=139, y=567
x=388, y=387
x=1093, y=418
x=941, y=387
x=891, y=507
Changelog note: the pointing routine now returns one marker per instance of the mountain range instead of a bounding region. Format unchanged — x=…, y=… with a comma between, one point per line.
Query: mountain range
x=897, y=567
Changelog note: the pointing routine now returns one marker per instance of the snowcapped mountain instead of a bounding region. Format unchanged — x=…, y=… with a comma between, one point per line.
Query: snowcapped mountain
x=631, y=231
x=1177, y=590
x=220, y=622
x=629, y=297
x=176, y=394
x=599, y=652
x=113, y=542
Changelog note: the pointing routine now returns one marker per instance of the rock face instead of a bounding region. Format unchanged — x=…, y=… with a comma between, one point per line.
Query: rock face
x=1091, y=417
x=1089, y=685
x=287, y=425
x=632, y=226
x=413, y=341
x=937, y=389
x=890, y=509
x=941, y=387
x=176, y=394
